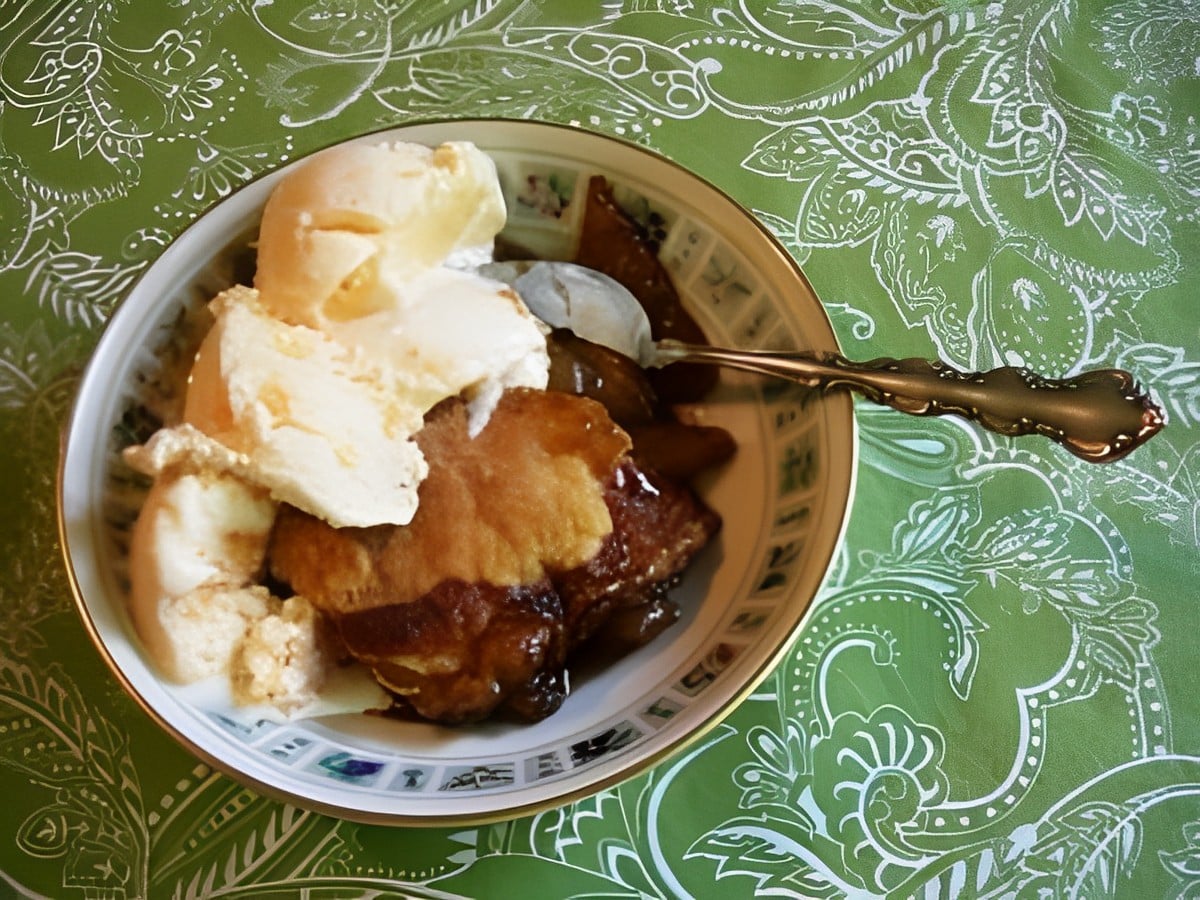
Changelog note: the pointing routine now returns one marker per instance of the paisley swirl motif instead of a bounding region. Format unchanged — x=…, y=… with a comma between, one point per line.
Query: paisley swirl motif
x=1149, y=41
x=826, y=28
x=872, y=777
x=898, y=819
x=95, y=817
x=854, y=795
x=780, y=760
x=1184, y=863
x=85, y=85
x=46, y=834
x=626, y=61
x=984, y=115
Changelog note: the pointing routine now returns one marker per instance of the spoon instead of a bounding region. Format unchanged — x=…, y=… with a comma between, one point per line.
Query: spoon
x=1099, y=415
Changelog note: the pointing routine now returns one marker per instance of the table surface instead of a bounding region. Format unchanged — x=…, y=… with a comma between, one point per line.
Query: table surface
x=987, y=183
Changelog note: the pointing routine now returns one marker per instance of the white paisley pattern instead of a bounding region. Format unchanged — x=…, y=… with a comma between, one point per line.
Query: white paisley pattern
x=991, y=698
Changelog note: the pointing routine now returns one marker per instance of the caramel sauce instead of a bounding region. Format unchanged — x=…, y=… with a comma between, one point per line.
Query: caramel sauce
x=661, y=441
x=613, y=243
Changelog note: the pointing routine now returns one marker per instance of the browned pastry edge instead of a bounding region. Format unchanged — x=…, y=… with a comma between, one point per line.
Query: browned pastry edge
x=464, y=651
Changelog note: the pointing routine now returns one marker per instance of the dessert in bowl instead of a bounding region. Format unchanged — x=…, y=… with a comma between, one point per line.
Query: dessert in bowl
x=782, y=497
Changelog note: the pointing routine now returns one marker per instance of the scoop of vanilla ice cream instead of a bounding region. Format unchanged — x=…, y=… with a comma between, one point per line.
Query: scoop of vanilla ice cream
x=319, y=424
x=359, y=326
x=196, y=529
x=356, y=218
x=198, y=546
x=200, y=538
x=448, y=332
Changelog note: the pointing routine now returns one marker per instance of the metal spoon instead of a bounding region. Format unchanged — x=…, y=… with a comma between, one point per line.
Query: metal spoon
x=1099, y=415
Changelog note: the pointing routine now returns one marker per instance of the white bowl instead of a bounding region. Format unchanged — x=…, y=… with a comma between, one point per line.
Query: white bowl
x=784, y=500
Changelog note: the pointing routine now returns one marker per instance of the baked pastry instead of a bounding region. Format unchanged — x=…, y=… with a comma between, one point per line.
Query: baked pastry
x=537, y=535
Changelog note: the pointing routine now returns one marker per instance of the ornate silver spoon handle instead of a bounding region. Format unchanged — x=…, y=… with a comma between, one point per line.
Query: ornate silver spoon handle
x=1099, y=415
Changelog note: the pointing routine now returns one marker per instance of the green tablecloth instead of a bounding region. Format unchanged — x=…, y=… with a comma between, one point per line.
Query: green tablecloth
x=997, y=694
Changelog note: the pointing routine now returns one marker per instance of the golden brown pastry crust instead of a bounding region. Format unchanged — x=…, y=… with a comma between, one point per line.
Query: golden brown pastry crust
x=527, y=541
x=523, y=496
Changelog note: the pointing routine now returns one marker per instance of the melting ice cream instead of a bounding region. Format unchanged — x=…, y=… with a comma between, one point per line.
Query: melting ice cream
x=308, y=390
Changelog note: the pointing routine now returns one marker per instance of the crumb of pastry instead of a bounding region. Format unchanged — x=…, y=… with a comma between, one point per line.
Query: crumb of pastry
x=203, y=627
x=282, y=660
